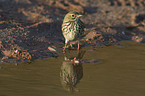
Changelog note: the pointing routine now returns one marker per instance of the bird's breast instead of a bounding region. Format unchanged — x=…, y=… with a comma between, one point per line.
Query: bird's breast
x=71, y=30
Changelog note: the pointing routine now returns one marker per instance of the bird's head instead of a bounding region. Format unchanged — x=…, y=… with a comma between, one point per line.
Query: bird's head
x=71, y=16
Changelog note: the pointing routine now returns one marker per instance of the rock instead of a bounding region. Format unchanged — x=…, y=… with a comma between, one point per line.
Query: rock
x=51, y=49
x=137, y=38
x=91, y=35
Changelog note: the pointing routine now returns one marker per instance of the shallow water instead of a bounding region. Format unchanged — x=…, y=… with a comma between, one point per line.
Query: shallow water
x=103, y=71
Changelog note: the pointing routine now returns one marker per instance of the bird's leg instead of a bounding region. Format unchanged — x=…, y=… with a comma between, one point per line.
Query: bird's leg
x=64, y=47
x=71, y=45
x=78, y=45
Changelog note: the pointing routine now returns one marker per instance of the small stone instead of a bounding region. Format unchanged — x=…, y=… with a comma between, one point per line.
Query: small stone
x=51, y=49
x=137, y=38
x=123, y=32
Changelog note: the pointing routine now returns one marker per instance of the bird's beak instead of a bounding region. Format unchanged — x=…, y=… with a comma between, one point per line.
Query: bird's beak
x=79, y=15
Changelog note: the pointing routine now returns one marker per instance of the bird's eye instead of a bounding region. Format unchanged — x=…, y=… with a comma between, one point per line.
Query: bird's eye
x=72, y=16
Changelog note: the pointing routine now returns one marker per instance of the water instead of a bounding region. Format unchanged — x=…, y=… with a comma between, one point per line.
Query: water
x=120, y=71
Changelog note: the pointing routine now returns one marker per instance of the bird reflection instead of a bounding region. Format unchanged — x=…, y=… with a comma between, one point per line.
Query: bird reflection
x=71, y=72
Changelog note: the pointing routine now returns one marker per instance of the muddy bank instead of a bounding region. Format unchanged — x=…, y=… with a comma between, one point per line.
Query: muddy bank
x=31, y=29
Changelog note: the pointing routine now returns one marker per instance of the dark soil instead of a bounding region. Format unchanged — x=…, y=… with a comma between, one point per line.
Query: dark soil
x=31, y=29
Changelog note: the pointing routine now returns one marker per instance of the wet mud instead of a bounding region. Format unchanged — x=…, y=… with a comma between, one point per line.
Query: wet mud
x=31, y=29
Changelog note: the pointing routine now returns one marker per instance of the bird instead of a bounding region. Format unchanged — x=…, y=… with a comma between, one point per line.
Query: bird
x=72, y=28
